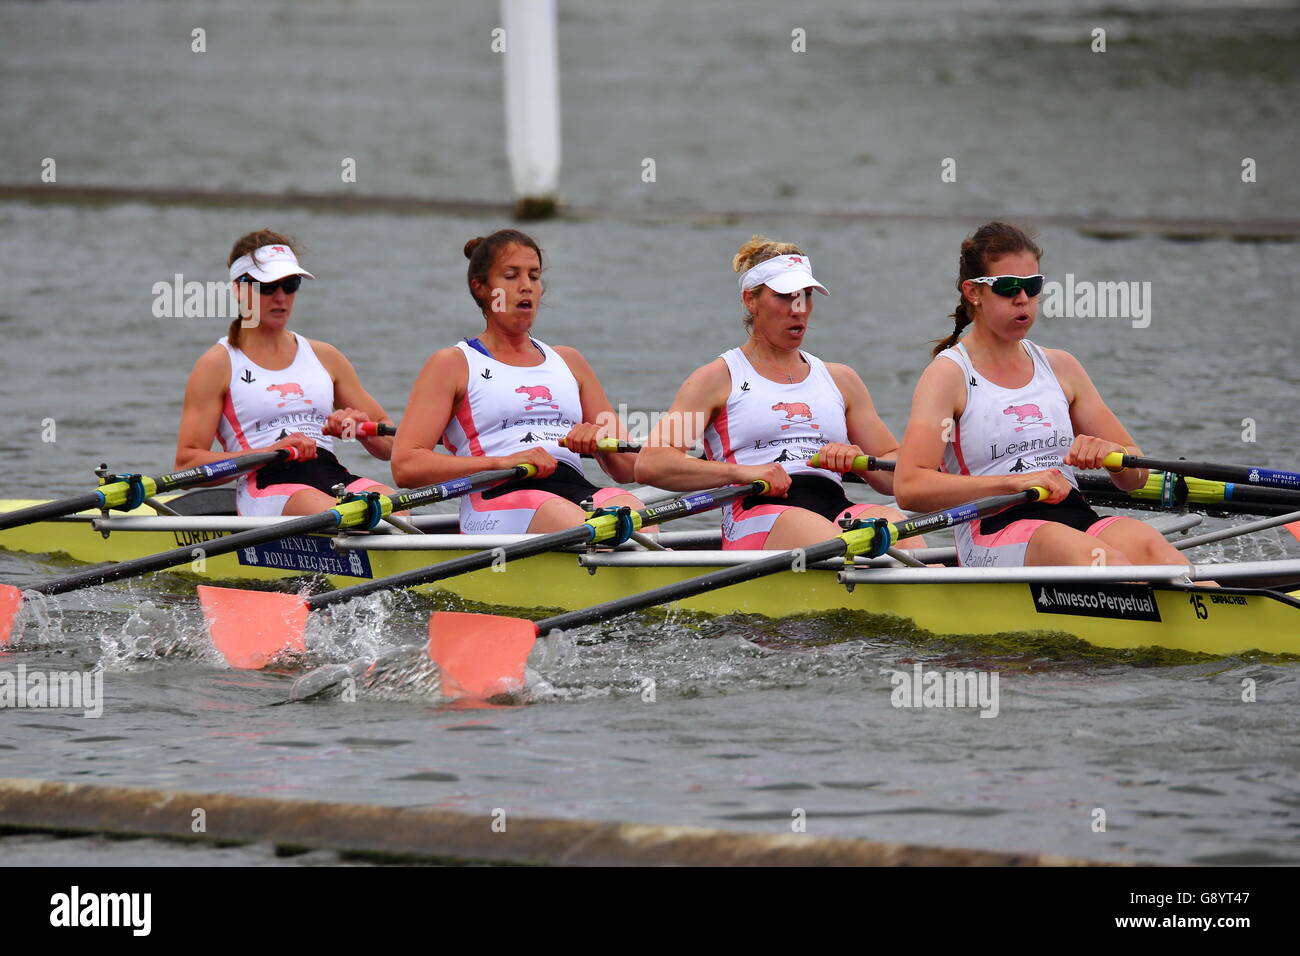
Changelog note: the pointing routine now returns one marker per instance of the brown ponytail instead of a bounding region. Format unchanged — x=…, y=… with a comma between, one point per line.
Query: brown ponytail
x=482, y=253
x=248, y=245
x=990, y=241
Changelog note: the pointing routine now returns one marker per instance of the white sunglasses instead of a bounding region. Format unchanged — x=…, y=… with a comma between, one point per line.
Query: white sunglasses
x=1008, y=286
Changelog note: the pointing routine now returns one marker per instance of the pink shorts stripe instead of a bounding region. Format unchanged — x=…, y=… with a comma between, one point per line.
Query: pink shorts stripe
x=513, y=512
x=271, y=500
x=747, y=529
x=1019, y=532
x=1097, y=527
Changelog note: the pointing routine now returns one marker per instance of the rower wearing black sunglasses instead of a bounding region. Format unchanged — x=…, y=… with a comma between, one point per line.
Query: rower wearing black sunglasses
x=994, y=414
x=264, y=387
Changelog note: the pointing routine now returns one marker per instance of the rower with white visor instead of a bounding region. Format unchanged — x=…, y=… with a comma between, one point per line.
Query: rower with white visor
x=764, y=409
x=263, y=386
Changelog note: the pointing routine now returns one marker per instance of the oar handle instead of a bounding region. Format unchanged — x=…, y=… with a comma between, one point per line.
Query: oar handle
x=1241, y=474
x=609, y=444
x=427, y=495
x=214, y=471
x=860, y=463
x=118, y=493
x=373, y=429
x=862, y=539
x=690, y=504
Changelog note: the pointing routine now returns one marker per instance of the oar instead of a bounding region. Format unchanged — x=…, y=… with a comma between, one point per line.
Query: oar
x=356, y=511
x=610, y=444
x=128, y=491
x=1177, y=491
x=371, y=429
x=860, y=463
x=1245, y=474
x=481, y=655
x=250, y=627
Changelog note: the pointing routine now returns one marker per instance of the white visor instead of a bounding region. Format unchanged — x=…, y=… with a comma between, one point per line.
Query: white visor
x=783, y=274
x=269, y=264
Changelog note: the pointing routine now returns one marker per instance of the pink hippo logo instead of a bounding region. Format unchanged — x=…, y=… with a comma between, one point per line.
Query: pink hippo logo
x=537, y=396
x=796, y=413
x=287, y=391
x=1025, y=412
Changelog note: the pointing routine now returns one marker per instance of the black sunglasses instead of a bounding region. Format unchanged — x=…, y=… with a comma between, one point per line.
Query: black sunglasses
x=289, y=284
x=1008, y=286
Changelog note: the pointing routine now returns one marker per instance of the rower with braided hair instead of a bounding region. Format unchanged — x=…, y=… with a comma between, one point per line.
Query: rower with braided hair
x=994, y=414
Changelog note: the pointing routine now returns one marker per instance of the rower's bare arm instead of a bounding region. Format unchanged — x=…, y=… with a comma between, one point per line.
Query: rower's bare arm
x=866, y=429
x=597, y=410
x=663, y=461
x=204, y=395
x=350, y=395
x=1097, y=430
x=438, y=389
x=919, y=482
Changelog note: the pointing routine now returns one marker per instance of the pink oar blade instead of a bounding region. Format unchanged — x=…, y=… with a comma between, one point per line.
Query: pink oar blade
x=11, y=601
x=480, y=655
x=1294, y=528
x=251, y=627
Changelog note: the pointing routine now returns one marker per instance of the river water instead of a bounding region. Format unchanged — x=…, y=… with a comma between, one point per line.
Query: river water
x=752, y=721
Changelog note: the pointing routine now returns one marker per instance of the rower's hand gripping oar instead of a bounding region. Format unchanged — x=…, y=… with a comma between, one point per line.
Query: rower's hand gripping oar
x=371, y=429
x=610, y=444
x=487, y=652
x=1242, y=474
x=251, y=627
x=363, y=510
x=127, y=492
x=860, y=463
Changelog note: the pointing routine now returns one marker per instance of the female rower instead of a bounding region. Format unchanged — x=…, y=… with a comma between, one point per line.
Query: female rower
x=1017, y=415
x=263, y=387
x=765, y=409
x=504, y=398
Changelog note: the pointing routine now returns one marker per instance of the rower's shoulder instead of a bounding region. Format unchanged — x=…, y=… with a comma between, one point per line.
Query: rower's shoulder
x=845, y=376
x=942, y=372
x=706, y=388
x=450, y=361
x=712, y=374
x=1064, y=363
x=330, y=356
x=215, y=361
x=570, y=355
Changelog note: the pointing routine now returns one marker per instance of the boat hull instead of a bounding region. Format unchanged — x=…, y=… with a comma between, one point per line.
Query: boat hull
x=1125, y=617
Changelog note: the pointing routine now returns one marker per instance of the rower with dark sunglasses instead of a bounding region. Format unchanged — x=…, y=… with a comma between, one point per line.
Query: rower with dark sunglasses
x=263, y=387
x=994, y=414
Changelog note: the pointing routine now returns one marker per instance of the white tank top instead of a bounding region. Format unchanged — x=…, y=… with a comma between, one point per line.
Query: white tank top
x=262, y=406
x=1009, y=430
x=766, y=421
x=507, y=409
